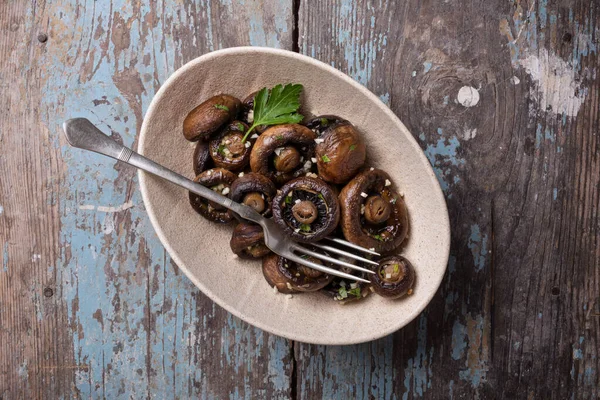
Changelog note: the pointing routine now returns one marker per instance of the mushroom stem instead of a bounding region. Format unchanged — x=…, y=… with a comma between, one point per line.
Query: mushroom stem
x=305, y=212
x=377, y=210
x=255, y=200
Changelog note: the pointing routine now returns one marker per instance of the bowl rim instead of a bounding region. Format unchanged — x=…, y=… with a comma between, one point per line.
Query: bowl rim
x=437, y=192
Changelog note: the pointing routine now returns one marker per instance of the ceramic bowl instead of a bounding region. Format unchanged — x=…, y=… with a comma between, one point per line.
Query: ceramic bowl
x=201, y=248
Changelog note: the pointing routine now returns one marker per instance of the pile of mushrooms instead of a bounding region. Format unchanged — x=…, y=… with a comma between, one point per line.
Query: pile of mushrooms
x=312, y=180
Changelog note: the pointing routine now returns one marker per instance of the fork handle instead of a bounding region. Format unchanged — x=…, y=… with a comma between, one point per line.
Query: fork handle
x=81, y=133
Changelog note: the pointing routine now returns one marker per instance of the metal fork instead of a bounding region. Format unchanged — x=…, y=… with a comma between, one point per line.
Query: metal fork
x=81, y=133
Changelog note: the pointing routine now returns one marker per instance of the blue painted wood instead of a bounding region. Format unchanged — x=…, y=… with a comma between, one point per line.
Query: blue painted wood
x=135, y=326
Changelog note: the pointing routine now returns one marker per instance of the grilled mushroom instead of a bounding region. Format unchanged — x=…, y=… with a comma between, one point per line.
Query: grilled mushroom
x=202, y=160
x=394, y=277
x=206, y=119
x=248, y=241
x=373, y=215
x=307, y=209
x=254, y=190
x=283, y=152
x=227, y=149
x=219, y=180
x=323, y=122
x=340, y=153
x=344, y=291
x=290, y=277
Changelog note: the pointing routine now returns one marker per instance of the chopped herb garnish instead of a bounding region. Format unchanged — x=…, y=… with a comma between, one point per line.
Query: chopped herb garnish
x=221, y=150
x=305, y=227
x=221, y=107
x=319, y=195
x=240, y=126
x=325, y=158
x=382, y=272
x=396, y=268
x=303, y=256
x=378, y=237
x=279, y=137
x=352, y=147
x=355, y=291
x=276, y=106
x=288, y=199
x=324, y=122
x=343, y=293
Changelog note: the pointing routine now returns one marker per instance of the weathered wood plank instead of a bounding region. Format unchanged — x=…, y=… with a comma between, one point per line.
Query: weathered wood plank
x=117, y=320
x=503, y=98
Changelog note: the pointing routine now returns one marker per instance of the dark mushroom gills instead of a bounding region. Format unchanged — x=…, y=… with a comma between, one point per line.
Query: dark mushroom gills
x=289, y=277
x=227, y=148
x=394, y=278
x=307, y=209
x=219, y=180
x=254, y=190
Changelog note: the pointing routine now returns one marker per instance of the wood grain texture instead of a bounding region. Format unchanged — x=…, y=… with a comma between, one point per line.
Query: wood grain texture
x=503, y=98
x=91, y=306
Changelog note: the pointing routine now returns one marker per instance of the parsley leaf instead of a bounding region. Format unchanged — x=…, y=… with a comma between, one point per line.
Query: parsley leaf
x=288, y=199
x=378, y=237
x=355, y=292
x=396, y=268
x=279, y=137
x=352, y=147
x=240, y=126
x=319, y=195
x=221, y=150
x=221, y=107
x=325, y=158
x=343, y=293
x=305, y=227
x=324, y=121
x=276, y=106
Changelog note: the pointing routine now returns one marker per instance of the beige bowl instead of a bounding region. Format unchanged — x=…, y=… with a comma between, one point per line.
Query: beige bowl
x=201, y=249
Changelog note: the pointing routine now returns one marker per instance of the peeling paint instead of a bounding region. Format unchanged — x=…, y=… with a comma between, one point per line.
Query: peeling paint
x=478, y=245
x=417, y=374
x=468, y=96
x=459, y=343
x=442, y=155
x=478, y=353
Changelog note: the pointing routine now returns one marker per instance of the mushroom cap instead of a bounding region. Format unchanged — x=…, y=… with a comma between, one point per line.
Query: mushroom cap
x=211, y=178
x=341, y=154
x=385, y=237
x=201, y=160
x=306, y=189
x=279, y=136
x=394, y=277
x=248, y=241
x=253, y=183
x=207, y=118
x=321, y=123
x=290, y=277
x=220, y=150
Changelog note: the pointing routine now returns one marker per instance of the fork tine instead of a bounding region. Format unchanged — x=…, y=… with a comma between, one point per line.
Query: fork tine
x=344, y=253
x=352, y=245
x=331, y=259
x=322, y=268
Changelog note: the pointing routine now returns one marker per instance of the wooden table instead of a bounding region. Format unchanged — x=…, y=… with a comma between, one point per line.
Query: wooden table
x=503, y=97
